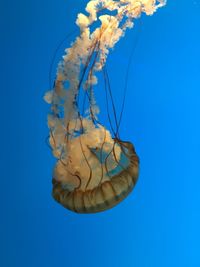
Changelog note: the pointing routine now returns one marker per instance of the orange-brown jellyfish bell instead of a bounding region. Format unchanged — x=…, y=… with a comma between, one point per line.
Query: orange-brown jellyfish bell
x=101, y=181
x=95, y=170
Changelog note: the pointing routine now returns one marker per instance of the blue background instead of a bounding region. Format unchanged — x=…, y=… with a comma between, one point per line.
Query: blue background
x=158, y=224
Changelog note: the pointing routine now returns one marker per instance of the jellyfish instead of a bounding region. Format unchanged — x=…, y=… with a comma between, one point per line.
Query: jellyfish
x=95, y=169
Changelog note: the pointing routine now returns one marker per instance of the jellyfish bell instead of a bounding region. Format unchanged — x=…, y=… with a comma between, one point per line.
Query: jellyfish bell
x=97, y=174
x=95, y=169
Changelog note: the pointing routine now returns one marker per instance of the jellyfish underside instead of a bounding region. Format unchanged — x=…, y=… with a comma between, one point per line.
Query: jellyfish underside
x=95, y=169
x=107, y=182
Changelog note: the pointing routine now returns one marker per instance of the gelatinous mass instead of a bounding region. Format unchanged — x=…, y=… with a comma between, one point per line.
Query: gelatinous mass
x=95, y=170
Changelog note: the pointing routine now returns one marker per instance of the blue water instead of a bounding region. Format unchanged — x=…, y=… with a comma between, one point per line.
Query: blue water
x=158, y=224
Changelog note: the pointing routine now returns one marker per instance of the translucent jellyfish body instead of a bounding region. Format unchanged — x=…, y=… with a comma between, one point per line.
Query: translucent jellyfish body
x=95, y=170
